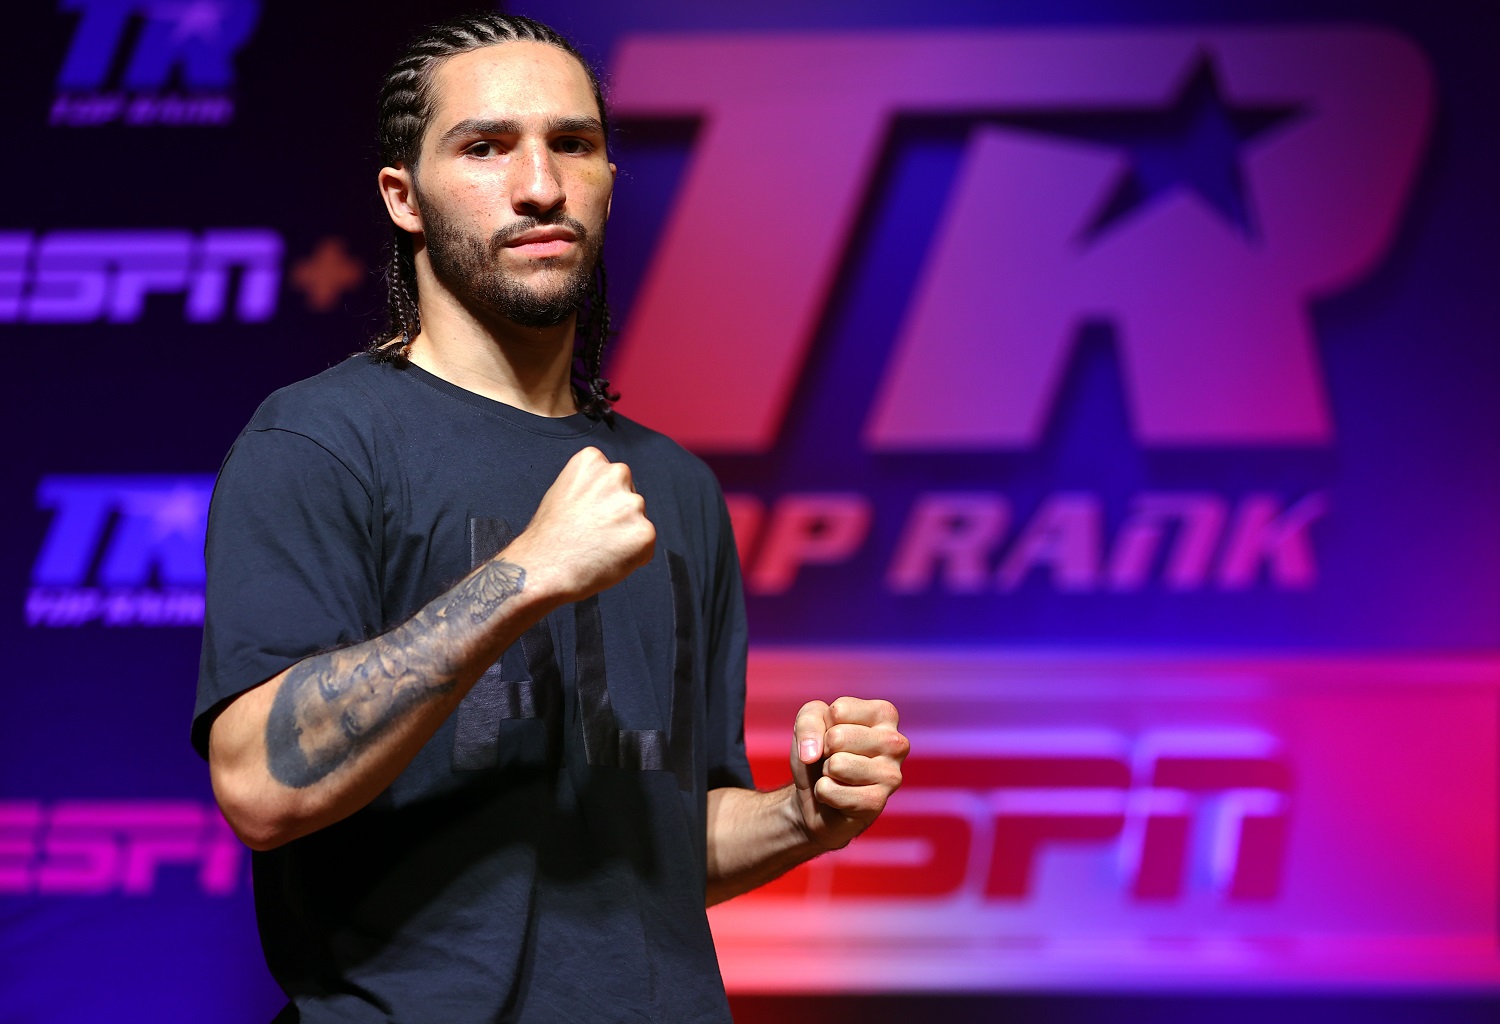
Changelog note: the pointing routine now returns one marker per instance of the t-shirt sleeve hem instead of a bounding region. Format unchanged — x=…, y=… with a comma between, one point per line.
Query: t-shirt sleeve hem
x=731, y=776
x=231, y=686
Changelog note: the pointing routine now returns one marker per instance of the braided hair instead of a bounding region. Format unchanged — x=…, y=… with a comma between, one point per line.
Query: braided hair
x=406, y=107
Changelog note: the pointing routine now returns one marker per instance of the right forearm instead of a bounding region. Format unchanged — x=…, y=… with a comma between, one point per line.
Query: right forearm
x=332, y=731
x=332, y=706
x=319, y=741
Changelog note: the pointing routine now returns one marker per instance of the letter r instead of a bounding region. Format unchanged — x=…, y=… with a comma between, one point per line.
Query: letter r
x=1213, y=328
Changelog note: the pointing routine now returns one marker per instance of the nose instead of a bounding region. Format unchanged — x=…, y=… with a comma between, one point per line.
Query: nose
x=538, y=190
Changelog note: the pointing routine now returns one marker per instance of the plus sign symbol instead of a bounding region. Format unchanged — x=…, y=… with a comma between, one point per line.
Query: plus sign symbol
x=325, y=274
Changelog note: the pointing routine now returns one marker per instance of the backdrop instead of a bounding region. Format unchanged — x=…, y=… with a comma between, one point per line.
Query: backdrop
x=1113, y=386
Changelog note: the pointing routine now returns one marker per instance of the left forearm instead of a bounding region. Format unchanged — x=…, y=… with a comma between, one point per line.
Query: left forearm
x=753, y=837
x=846, y=762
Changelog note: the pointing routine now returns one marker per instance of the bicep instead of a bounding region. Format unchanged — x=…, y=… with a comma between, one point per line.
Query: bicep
x=291, y=569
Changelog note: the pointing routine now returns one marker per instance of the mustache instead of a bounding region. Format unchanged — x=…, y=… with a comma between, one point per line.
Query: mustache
x=505, y=235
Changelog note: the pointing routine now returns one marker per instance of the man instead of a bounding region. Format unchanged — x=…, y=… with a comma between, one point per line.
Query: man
x=473, y=667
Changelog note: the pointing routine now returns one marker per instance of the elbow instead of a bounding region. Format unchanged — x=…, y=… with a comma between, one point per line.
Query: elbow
x=261, y=813
x=253, y=819
x=259, y=835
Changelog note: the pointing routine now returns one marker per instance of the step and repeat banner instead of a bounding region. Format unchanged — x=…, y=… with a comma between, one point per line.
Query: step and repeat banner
x=1112, y=387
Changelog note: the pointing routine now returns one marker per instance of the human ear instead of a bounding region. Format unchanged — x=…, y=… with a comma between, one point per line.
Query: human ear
x=396, y=191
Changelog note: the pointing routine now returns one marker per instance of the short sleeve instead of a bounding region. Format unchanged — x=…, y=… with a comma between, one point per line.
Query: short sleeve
x=292, y=567
x=728, y=635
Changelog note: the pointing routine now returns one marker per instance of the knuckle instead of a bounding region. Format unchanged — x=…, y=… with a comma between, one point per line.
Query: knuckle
x=840, y=736
x=898, y=746
x=812, y=709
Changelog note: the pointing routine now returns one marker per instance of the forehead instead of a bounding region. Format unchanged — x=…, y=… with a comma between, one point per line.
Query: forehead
x=510, y=81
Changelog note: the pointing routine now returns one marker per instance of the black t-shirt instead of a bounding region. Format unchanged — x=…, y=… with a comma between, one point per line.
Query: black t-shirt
x=542, y=857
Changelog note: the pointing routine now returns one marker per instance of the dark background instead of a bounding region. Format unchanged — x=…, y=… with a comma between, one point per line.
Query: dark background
x=102, y=714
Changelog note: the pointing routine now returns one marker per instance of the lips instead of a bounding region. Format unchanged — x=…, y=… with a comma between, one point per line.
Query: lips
x=552, y=241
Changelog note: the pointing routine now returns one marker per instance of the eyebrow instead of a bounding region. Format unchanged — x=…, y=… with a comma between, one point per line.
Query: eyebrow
x=505, y=126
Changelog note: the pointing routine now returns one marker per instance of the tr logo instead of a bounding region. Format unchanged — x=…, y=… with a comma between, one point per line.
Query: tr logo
x=1057, y=217
x=187, y=43
x=124, y=550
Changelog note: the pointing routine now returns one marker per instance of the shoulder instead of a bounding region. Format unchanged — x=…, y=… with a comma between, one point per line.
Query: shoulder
x=664, y=455
x=345, y=395
x=347, y=411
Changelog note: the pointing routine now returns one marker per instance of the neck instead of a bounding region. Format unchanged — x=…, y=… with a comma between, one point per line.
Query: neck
x=528, y=368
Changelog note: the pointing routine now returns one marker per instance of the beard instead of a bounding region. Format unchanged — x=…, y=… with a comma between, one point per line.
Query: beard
x=470, y=267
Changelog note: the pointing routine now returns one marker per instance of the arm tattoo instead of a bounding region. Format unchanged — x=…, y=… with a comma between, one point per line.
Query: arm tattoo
x=494, y=588
x=330, y=706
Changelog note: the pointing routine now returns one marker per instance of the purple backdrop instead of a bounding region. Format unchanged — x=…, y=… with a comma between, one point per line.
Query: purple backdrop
x=1111, y=385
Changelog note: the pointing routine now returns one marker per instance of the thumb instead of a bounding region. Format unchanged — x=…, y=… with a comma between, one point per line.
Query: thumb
x=813, y=720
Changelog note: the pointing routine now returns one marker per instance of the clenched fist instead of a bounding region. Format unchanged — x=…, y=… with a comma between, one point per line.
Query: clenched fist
x=846, y=763
x=589, y=532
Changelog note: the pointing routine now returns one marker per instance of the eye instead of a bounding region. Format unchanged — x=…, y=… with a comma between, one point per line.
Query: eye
x=482, y=149
x=574, y=146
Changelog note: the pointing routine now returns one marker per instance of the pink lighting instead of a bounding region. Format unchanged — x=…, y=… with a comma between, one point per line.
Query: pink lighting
x=1128, y=819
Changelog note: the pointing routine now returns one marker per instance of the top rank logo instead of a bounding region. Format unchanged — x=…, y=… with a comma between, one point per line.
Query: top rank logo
x=121, y=551
x=152, y=61
x=1081, y=197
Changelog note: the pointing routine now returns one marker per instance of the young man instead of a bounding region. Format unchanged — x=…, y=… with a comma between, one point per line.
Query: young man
x=473, y=665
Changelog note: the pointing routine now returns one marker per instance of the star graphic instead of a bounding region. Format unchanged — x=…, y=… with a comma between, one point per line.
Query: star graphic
x=194, y=19
x=327, y=274
x=181, y=511
x=1193, y=144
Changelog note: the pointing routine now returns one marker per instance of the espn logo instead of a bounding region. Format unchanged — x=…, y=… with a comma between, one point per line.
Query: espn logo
x=92, y=848
x=83, y=276
x=979, y=814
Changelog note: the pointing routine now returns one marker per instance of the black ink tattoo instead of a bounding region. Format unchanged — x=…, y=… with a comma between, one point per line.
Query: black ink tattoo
x=332, y=705
x=494, y=588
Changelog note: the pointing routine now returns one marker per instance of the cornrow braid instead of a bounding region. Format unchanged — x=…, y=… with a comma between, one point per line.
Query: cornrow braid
x=405, y=109
x=589, y=383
